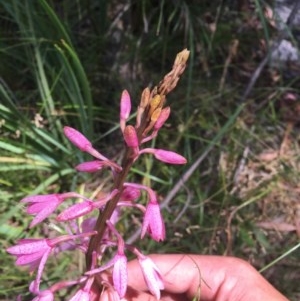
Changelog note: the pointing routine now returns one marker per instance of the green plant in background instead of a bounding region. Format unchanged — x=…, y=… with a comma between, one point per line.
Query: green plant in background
x=47, y=88
x=51, y=64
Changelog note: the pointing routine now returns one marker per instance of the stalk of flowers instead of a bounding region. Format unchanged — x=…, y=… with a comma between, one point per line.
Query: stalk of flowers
x=95, y=235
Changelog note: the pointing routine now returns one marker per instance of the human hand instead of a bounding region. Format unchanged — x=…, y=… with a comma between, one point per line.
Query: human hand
x=212, y=278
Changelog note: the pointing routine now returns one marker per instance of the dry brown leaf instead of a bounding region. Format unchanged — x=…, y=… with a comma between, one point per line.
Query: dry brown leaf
x=268, y=155
x=283, y=227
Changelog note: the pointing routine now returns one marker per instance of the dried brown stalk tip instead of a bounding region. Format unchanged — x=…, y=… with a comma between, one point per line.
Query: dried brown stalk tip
x=151, y=101
x=170, y=80
x=182, y=57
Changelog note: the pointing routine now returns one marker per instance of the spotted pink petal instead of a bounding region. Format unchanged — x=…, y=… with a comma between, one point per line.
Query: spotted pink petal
x=152, y=276
x=48, y=198
x=28, y=246
x=153, y=222
x=43, y=205
x=120, y=275
x=31, y=258
x=76, y=211
x=43, y=214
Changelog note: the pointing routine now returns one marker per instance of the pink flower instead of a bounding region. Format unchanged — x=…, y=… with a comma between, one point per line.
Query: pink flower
x=164, y=115
x=165, y=156
x=81, y=142
x=153, y=222
x=88, y=224
x=34, y=253
x=43, y=205
x=169, y=157
x=76, y=211
x=120, y=274
x=125, y=108
x=30, y=251
x=91, y=166
x=84, y=207
x=45, y=295
x=130, y=136
x=78, y=139
x=151, y=275
x=81, y=295
x=130, y=194
x=137, y=187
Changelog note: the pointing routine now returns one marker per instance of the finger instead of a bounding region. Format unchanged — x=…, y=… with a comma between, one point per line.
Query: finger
x=182, y=274
x=212, y=277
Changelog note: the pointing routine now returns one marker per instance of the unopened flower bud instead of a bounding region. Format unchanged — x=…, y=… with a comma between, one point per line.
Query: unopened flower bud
x=153, y=118
x=125, y=105
x=91, y=166
x=78, y=139
x=125, y=108
x=155, y=114
x=130, y=137
x=164, y=115
x=165, y=156
x=145, y=98
x=81, y=142
x=154, y=103
x=169, y=157
x=153, y=222
x=182, y=57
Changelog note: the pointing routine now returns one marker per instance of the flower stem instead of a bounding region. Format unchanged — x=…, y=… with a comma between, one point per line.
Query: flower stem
x=95, y=241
